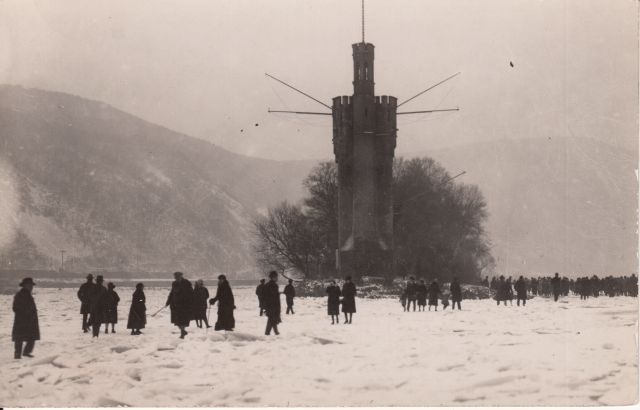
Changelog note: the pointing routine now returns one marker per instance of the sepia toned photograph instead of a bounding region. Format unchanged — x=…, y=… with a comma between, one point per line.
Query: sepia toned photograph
x=318, y=203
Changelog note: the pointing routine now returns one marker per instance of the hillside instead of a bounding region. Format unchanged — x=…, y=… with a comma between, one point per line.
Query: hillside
x=563, y=205
x=116, y=191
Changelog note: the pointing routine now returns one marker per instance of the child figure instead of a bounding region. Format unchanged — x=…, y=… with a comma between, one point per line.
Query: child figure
x=403, y=300
x=445, y=300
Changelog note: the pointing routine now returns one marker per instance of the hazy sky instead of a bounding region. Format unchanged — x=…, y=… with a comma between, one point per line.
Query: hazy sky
x=199, y=66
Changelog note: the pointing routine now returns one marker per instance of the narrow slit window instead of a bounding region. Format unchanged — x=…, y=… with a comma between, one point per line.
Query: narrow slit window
x=366, y=71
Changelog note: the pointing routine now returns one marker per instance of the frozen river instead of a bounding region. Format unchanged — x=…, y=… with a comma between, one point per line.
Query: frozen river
x=568, y=353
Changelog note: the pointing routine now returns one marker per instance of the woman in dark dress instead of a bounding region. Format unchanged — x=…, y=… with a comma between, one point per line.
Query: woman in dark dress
x=348, y=299
x=226, y=305
x=200, y=297
x=502, y=295
x=138, y=311
x=333, y=306
x=111, y=315
x=434, y=291
x=456, y=293
x=421, y=295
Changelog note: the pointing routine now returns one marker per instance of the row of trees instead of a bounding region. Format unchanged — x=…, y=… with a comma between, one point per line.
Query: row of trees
x=438, y=225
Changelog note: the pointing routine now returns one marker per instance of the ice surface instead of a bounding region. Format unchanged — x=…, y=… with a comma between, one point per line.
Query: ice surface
x=574, y=353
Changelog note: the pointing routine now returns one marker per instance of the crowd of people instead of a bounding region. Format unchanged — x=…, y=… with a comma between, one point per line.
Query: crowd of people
x=418, y=293
x=99, y=305
x=555, y=286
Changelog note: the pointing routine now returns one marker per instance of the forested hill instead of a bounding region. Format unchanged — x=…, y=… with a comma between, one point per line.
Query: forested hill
x=563, y=205
x=116, y=191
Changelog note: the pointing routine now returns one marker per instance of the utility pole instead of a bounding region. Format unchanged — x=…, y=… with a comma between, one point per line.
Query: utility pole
x=62, y=253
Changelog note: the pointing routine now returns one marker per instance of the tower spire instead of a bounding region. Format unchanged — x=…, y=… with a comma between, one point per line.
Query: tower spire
x=363, y=21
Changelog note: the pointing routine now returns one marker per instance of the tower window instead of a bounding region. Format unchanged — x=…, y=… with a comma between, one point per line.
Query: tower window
x=366, y=71
x=358, y=71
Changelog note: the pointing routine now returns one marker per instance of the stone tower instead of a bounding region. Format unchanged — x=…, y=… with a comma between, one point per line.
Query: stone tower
x=364, y=140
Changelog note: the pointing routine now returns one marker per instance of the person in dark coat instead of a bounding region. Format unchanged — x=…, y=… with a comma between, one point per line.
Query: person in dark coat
x=99, y=307
x=521, y=291
x=412, y=293
x=434, y=291
x=403, y=300
x=633, y=286
x=260, y=295
x=226, y=305
x=180, y=301
x=290, y=293
x=503, y=289
x=456, y=294
x=199, y=308
x=272, y=303
x=111, y=315
x=421, y=295
x=25, y=322
x=138, y=311
x=348, y=299
x=555, y=284
x=333, y=303
x=86, y=294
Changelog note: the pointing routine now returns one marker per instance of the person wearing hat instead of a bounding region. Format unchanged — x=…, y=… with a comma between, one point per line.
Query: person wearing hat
x=25, y=323
x=86, y=295
x=348, y=299
x=260, y=295
x=111, y=314
x=555, y=285
x=99, y=307
x=138, y=311
x=290, y=293
x=226, y=305
x=421, y=295
x=272, y=303
x=180, y=301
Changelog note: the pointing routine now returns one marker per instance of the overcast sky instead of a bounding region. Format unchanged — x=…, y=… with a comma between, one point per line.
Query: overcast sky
x=199, y=66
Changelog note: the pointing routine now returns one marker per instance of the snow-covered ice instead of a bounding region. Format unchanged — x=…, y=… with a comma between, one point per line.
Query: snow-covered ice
x=568, y=353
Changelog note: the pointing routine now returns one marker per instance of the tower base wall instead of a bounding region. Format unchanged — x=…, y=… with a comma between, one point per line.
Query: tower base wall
x=367, y=261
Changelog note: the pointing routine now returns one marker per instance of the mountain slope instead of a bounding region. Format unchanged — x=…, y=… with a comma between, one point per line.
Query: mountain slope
x=116, y=191
x=563, y=205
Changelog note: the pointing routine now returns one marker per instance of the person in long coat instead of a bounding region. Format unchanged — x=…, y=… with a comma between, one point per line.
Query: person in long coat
x=502, y=294
x=555, y=284
x=521, y=291
x=348, y=299
x=272, y=303
x=99, y=307
x=421, y=295
x=180, y=301
x=111, y=315
x=412, y=293
x=226, y=305
x=200, y=298
x=333, y=303
x=260, y=295
x=138, y=311
x=290, y=293
x=434, y=291
x=86, y=294
x=456, y=294
x=25, y=322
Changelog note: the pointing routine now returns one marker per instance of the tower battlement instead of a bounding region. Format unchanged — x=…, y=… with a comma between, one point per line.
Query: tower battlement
x=361, y=48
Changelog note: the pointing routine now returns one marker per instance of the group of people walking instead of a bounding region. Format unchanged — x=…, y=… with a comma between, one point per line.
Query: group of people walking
x=420, y=294
x=100, y=305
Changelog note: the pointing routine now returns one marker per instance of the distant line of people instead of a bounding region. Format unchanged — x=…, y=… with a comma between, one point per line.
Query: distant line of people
x=420, y=294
